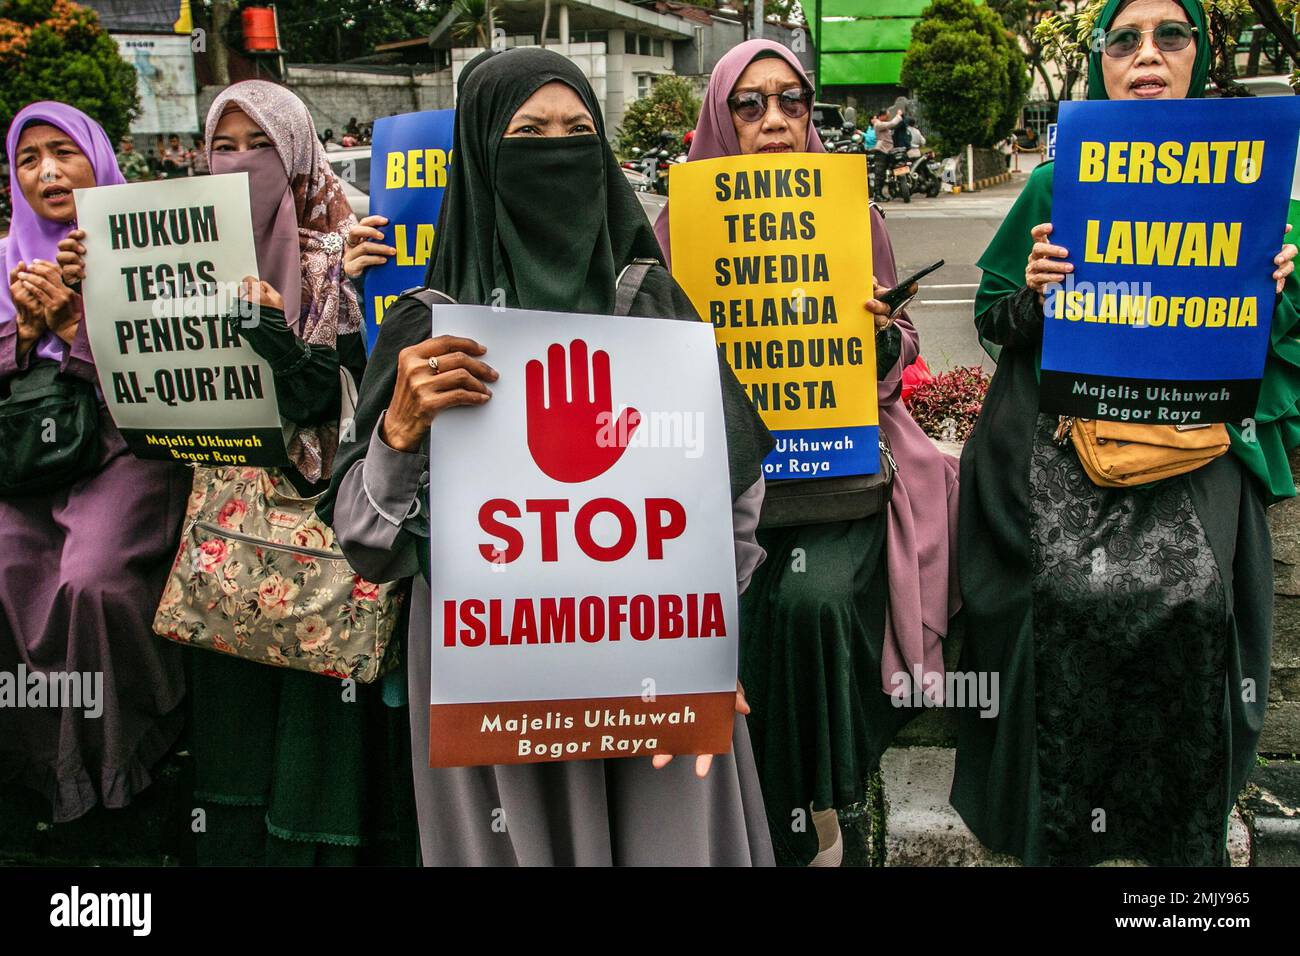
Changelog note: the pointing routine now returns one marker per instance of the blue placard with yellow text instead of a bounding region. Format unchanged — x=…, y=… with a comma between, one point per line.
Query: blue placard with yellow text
x=1172, y=212
x=408, y=175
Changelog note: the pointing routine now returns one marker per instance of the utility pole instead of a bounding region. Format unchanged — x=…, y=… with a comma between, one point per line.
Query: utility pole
x=217, y=43
x=817, y=49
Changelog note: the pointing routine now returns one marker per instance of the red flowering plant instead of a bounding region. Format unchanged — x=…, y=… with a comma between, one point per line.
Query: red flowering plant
x=947, y=406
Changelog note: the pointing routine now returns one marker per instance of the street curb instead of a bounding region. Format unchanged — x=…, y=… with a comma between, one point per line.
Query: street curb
x=992, y=181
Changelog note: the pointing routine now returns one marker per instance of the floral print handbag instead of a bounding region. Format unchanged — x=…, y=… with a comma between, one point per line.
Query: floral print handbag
x=259, y=576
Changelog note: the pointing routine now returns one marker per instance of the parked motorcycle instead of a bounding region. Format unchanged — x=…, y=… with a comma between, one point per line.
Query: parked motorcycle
x=927, y=175
x=843, y=139
x=647, y=172
x=898, y=181
x=890, y=175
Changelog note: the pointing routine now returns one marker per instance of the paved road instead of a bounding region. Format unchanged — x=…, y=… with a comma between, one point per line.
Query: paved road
x=953, y=228
x=956, y=229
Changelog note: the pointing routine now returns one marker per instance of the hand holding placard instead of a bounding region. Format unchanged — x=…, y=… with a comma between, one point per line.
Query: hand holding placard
x=703, y=762
x=365, y=247
x=1285, y=262
x=423, y=390
x=1047, y=262
x=72, y=258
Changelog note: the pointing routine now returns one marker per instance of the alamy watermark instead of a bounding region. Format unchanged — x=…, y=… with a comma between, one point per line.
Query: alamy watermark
x=655, y=429
x=78, y=690
x=922, y=688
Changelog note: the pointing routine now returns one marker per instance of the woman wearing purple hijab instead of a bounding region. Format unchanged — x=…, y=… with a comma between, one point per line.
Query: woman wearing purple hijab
x=81, y=565
x=828, y=640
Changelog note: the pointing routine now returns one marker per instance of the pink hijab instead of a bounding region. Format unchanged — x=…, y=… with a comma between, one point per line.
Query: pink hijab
x=921, y=548
x=715, y=134
x=301, y=219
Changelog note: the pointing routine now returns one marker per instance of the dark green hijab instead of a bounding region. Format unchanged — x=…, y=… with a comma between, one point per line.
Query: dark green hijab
x=1277, y=417
x=551, y=222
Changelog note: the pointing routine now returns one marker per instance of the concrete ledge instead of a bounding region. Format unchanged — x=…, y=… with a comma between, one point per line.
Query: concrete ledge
x=922, y=828
x=1272, y=808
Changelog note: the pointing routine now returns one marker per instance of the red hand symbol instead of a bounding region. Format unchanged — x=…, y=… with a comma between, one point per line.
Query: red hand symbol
x=575, y=439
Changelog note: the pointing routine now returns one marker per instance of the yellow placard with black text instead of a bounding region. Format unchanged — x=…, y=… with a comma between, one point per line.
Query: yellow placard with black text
x=775, y=252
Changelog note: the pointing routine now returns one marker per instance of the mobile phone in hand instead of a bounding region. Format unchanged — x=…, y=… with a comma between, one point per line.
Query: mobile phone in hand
x=897, y=297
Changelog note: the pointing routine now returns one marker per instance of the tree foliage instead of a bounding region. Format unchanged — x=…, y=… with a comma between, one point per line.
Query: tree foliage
x=56, y=50
x=968, y=72
x=672, y=105
x=316, y=32
x=1022, y=18
x=1066, y=37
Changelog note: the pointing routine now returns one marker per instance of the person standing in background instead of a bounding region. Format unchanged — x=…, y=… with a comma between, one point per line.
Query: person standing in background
x=199, y=154
x=916, y=143
x=175, y=159
x=884, y=128
x=134, y=167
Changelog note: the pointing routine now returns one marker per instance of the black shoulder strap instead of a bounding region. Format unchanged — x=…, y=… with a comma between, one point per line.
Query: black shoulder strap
x=430, y=297
x=629, y=283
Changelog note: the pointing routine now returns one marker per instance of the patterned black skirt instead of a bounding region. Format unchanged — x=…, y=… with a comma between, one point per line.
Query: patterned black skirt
x=1130, y=668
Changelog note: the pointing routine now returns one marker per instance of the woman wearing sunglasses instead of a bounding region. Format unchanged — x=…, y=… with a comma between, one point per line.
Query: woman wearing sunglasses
x=839, y=608
x=1130, y=627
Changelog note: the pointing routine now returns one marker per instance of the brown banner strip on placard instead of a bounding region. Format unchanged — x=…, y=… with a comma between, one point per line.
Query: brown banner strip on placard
x=533, y=731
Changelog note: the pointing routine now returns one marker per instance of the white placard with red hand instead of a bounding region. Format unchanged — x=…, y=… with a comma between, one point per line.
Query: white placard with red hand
x=583, y=567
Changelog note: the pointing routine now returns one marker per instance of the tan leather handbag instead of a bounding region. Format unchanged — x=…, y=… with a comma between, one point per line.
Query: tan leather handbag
x=1124, y=454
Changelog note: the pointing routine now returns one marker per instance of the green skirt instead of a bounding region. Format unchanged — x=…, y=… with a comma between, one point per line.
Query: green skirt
x=812, y=629
x=291, y=771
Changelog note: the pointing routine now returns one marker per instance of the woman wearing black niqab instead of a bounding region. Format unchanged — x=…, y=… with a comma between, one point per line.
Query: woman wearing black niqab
x=537, y=215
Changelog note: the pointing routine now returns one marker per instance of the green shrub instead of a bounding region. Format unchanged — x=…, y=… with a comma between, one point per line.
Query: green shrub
x=57, y=50
x=672, y=105
x=968, y=72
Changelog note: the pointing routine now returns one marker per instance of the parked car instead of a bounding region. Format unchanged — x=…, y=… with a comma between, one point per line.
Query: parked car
x=1258, y=86
x=353, y=167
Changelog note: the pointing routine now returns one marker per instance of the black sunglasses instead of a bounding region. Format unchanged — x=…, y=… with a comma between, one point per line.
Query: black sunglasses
x=751, y=105
x=1169, y=37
